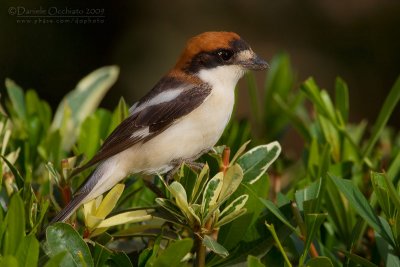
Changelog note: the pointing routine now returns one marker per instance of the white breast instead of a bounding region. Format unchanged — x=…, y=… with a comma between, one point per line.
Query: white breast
x=186, y=139
x=196, y=132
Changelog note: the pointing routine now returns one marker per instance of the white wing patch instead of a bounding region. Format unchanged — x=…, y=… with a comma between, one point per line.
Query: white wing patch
x=162, y=97
x=132, y=109
x=140, y=133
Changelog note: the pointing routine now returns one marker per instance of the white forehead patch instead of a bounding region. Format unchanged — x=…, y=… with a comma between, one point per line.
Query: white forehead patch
x=245, y=55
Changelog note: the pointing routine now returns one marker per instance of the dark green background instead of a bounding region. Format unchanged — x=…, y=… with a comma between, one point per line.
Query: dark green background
x=358, y=40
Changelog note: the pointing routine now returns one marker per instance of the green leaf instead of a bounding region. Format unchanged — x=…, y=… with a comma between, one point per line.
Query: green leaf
x=256, y=161
x=312, y=91
x=239, y=153
x=394, y=195
x=319, y=262
x=358, y=259
x=297, y=121
x=279, y=83
x=272, y=208
x=394, y=168
x=313, y=222
x=16, y=95
x=62, y=237
x=83, y=101
x=121, y=259
x=386, y=252
x=387, y=109
x=19, y=179
x=280, y=78
x=93, y=130
x=342, y=98
x=144, y=257
x=56, y=260
x=327, y=102
x=170, y=207
x=15, y=222
x=120, y=113
x=188, y=178
x=361, y=206
x=254, y=262
x=9, y=261
x=271, y=228
x=174, y=253
x=382, y=193
x=37, y=107
x=44, y=205
x=232, y=233
x=244, y=237
x=306, y=194
x=340, y=213
x=331, y=135
x=100, y=255
x=214, y=246
x=28, y=252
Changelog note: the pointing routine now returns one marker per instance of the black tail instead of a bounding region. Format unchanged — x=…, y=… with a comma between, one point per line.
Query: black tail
x=79, y=196
x=76, y=201
x=65, y=213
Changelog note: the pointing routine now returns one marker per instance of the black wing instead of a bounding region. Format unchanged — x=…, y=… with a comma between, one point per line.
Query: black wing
x=156, y=117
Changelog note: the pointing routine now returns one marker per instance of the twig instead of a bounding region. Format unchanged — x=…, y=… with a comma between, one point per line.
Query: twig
x=225, y=159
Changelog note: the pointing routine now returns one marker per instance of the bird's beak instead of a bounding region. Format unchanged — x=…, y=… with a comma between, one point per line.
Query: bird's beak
x=251, y=61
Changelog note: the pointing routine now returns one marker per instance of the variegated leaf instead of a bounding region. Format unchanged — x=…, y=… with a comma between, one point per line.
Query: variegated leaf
x=239, y=153
x=233, y=210
x=82, y=101
x=256, y=161
x=211, y=193
x=179, y=193
x=232, y=179
x=195, y=211
x=201, y=182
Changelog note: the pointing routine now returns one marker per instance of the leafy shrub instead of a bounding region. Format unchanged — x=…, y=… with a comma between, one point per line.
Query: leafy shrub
x=337, y=205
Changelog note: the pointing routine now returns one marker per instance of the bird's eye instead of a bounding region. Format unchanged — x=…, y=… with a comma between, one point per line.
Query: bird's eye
x=225, y=55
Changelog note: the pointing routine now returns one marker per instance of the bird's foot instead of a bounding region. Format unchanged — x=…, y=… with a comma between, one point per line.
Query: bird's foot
x=196, y=166
x=171, y=173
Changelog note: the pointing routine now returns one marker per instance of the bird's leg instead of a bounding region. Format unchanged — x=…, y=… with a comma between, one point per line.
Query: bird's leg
x=197, y=166
x=170, y=174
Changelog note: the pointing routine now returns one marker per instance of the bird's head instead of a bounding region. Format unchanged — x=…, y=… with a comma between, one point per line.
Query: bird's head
x=222, y=54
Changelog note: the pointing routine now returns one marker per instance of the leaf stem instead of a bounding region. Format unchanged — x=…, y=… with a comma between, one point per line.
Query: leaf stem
x=271, y=228
x=303, y=231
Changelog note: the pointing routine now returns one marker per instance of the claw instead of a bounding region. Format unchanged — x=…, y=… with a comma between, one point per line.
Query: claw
x=196, y=166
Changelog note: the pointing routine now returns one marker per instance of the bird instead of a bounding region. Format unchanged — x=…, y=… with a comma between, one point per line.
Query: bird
x=182, y=117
